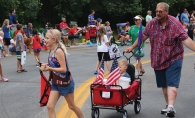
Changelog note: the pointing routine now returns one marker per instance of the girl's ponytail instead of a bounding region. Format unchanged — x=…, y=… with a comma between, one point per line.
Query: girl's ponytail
x=63, y=48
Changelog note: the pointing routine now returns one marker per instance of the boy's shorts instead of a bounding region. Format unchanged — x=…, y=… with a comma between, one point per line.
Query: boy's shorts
x=169, y=76
x=18, y=53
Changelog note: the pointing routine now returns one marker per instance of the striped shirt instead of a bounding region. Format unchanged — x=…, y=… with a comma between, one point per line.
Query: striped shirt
x=166, y=44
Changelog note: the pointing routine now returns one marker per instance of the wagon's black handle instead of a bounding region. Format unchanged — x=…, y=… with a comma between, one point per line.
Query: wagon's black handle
x=40, y=66
x=128, y=58
x=40, y=63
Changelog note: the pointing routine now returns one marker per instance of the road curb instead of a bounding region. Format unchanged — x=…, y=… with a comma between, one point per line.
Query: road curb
x=80, y=47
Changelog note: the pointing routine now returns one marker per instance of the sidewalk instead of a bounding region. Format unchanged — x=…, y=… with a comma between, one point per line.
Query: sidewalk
x=81, y=46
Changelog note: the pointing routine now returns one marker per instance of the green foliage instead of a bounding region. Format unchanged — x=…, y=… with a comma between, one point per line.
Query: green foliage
x=71, y=8
x=5, y=6
x=41, y=11
x=122, y=7
x=28, y=10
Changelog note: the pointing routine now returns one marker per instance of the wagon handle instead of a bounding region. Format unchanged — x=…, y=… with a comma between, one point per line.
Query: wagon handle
x=128, y=58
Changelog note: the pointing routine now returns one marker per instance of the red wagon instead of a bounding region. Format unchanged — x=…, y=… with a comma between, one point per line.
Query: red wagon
x=114, y=97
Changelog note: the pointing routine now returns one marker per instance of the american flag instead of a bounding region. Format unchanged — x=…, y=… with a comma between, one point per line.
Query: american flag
x=114, y=73
x=100, y=75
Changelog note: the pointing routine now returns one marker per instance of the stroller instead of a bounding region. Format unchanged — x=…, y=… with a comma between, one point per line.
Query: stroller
x=118, y=98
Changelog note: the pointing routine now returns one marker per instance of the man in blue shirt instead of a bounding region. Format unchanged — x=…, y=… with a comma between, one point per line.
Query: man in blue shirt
x=91, y=19
x=185, y=16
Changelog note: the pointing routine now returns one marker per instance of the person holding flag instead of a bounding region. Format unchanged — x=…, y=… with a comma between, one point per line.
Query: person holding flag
x=135, y=32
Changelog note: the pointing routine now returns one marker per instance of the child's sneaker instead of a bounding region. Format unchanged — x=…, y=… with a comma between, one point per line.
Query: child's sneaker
x=95, y=72
x=164, y=110
x=170, y=112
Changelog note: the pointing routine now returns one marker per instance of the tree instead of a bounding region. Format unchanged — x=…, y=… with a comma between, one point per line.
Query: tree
x=5, y=6
x=28, y=10
x=41, y=11
x=122, y=7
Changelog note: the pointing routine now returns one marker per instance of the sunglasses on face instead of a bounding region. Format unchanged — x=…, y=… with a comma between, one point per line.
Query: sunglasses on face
x=159, y=11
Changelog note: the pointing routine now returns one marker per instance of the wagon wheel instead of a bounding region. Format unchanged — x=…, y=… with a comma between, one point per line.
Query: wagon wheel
x=137, y=107
x=95, y=113
x=124, y=114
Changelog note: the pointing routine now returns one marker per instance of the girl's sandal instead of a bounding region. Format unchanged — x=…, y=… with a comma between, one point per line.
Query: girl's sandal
x=23, y=70
x=4, y=79
x=141, y=74
x=18, y=71
x=143, y=71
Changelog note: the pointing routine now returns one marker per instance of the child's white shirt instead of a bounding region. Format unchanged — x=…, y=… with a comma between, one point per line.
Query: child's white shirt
x=11, y=43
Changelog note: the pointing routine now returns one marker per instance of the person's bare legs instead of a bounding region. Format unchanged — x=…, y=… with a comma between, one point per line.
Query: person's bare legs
x=18, y=65
x=6, y=50
x=1, y=72
x=139, y=66
x=53, y=98
x=30, y=49
x=75, y=41
x=122, y=39
x=108, y=66
x=97, y=65
x=71, y=104
x=35, y=55
x=171, y=95
x=38, y=56
x=164, y=89
x=65, y=39
x=2, y=75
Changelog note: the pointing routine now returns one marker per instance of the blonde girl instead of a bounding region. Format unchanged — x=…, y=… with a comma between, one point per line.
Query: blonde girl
x=59, y=67
x=102, y=48
x=6, y=30
x=3, y=78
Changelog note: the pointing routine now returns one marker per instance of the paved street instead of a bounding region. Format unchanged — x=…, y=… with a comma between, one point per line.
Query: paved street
x=19, y=98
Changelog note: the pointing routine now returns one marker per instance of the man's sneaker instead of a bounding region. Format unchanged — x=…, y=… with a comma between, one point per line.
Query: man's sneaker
x=95, y=72
x=163, y=111
x=171, y=112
